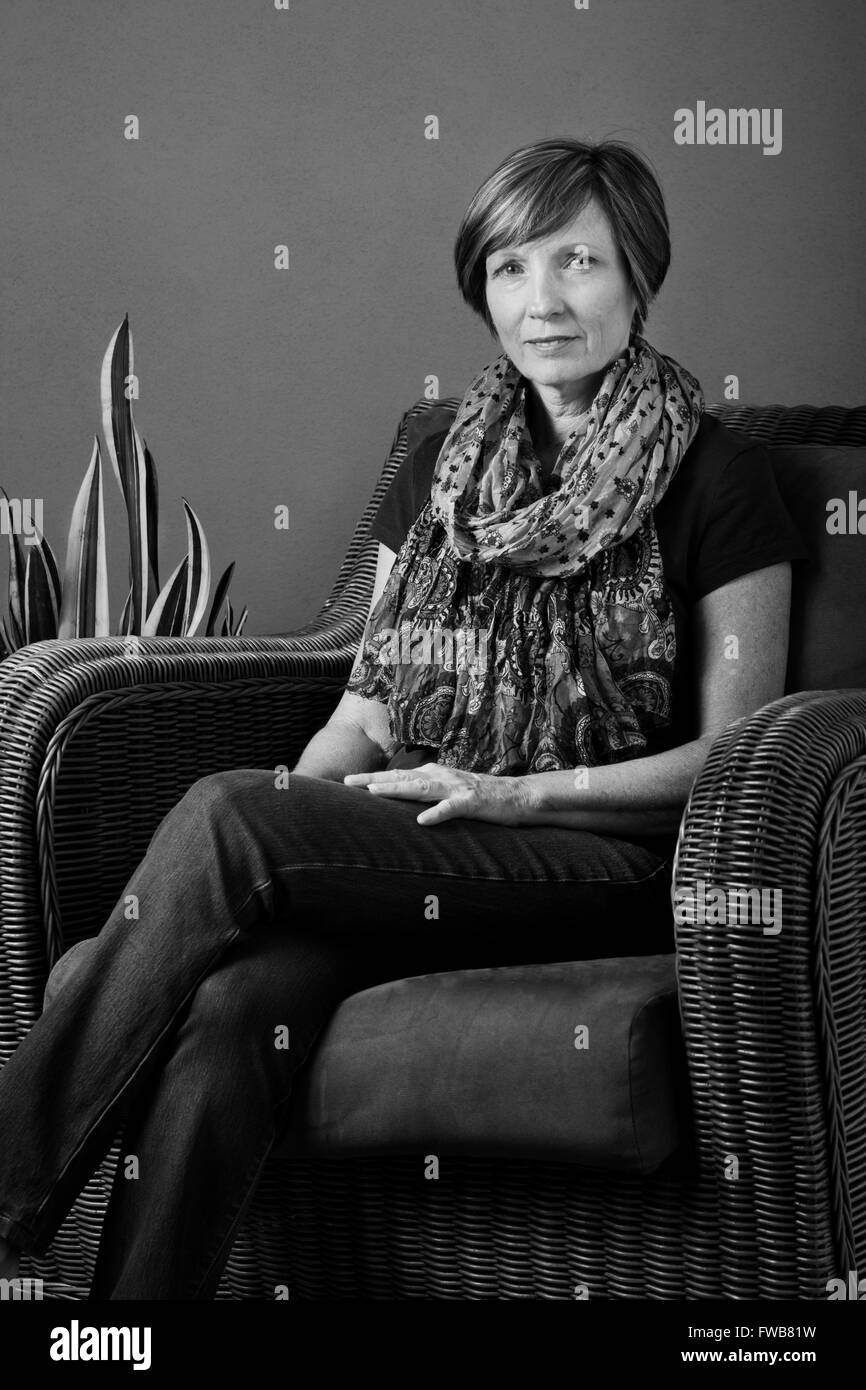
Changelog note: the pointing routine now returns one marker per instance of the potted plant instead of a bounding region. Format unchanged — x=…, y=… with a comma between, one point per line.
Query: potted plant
x=42, y=605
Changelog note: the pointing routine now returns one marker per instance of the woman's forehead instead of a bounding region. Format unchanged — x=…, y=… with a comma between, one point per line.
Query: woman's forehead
x=589, y=226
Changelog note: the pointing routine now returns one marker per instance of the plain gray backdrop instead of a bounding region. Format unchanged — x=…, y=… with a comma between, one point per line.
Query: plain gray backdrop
x=306, y=127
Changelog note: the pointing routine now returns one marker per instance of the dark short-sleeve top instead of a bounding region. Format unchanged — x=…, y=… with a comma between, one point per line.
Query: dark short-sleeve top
x=721, y=517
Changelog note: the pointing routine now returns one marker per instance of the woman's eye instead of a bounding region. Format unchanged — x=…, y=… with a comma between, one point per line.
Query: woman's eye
x=581, y=257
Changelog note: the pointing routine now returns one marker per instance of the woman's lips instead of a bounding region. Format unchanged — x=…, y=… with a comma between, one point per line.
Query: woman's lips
x=549, y=345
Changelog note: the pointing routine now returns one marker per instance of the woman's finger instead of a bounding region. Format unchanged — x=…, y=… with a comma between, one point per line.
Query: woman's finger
x=448, y=809
x=412, y=788
x=365, y=779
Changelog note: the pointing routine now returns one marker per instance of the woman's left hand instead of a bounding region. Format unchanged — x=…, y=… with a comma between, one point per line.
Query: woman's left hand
x=474, y=795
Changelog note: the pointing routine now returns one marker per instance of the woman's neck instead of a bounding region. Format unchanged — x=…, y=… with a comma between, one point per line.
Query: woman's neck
x=549, y=431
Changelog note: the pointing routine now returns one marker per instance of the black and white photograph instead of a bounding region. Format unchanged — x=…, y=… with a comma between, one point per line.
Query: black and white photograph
x=432, y=677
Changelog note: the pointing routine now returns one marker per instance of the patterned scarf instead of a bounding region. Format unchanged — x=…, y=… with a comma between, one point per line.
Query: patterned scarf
x=523, y=630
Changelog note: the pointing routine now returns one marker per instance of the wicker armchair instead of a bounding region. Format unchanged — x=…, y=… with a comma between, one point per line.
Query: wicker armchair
x=96, y=745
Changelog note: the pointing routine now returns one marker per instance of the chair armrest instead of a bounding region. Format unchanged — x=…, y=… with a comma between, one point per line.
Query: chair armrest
x=98, y=740
x=774, y=1011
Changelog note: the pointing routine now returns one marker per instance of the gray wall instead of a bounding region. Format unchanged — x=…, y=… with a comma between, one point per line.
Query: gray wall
x=307, y=127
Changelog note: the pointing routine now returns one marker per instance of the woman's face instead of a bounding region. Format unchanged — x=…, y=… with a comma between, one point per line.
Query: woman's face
x=574, y=285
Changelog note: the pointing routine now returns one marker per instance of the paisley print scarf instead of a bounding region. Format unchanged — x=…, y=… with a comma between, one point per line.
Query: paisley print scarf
x=526, y=625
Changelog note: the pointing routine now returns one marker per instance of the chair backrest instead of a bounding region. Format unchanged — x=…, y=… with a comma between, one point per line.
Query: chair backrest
x=819, y=458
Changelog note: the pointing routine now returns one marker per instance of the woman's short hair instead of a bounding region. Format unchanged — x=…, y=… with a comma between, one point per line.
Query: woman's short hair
x=543, y=186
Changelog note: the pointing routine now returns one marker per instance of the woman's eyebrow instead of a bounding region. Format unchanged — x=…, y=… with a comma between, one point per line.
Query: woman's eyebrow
x=570, y=245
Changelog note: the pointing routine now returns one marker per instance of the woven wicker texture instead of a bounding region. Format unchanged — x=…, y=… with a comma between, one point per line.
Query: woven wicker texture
x=97, y=745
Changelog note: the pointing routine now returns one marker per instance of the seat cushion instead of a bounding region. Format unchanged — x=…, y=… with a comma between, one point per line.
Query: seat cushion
x=827, y=649
x=577, y=1062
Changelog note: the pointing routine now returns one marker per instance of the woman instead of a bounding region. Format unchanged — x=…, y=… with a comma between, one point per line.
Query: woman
x=604, y=540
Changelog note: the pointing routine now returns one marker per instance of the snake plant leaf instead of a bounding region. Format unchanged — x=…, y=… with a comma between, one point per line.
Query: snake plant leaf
x=221, y=590
x=17, y=564
x=151, y=497
x=40, y=600
x=241, y=620
x=178, y=623
x=198, y=586
x=123, y=627
x=84, y=594
x=163, y=616
x=126, y=451
x=53, y=573
x=16, y=630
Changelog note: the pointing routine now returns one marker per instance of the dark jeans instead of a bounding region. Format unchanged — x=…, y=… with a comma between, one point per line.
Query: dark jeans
x=258, y=908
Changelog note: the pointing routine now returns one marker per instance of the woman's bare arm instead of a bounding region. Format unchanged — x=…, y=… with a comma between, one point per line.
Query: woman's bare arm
x=357, y=737
x=649, y=794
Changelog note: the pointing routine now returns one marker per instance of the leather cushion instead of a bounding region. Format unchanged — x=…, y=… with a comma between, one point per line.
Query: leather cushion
x=485, y=1062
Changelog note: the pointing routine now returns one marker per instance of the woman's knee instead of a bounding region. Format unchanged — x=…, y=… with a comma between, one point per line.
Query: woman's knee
x=232, y=789
x=233, y=998
x=248, y=1008
x=275, y=988
x=218, y=790
x=66, y=968
x=210, y=800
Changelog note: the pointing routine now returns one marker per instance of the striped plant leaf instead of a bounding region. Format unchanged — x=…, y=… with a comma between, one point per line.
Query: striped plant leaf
x=198, y=586
x=40, y=600
x=151, y=494
x=126, y=617
x=127, y=454
x=34, y=592
x=46, y=555
x=7, y=642
x=163, y=616
x=17, y=565
x=53, y=574
x=177, y=628
x=84, y=591
x=15, y=629
x=241, y=620
x=221, y=591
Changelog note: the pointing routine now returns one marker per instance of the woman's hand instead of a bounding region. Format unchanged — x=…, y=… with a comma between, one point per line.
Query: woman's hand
x=474, y=795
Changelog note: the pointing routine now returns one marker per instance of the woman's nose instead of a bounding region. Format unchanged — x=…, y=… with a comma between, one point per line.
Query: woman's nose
x=544, y=294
